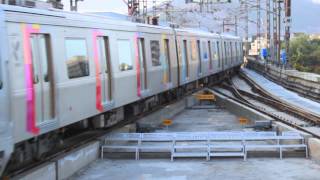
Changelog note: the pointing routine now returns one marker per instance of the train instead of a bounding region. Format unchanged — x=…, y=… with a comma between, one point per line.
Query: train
x=63, y=69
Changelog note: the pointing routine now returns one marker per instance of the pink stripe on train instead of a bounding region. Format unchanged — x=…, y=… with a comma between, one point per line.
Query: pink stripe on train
x=30, y=91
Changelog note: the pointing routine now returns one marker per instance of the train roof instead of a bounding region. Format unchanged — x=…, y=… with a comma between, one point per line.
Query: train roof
x=98, y=18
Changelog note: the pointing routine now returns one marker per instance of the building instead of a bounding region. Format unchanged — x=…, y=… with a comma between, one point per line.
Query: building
x=253, y=51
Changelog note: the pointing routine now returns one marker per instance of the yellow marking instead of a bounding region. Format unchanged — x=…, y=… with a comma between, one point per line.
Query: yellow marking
x=210, y=97
x=36, y=26
x=243, y=120
x=167, y=122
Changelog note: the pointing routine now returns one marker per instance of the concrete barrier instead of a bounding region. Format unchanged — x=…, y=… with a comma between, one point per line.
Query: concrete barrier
x=314, y=149
x=239, y=109
x=46, y=171
x=155, y=119
x=74, y=161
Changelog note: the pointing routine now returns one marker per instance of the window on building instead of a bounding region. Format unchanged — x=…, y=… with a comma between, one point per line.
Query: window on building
x=155, y=53
x=77, y=59
x=125, y=56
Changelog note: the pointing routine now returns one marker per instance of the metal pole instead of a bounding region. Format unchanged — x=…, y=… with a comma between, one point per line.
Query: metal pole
x=258, y=27
x=268, y=29
x=247, y=29
x=279, y=32
x=287, y=25
x=275, y=33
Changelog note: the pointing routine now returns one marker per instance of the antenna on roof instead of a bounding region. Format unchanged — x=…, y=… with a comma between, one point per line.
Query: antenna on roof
x=74, y=5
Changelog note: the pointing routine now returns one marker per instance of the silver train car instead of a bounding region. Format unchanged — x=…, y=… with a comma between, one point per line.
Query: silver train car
x=59, y=68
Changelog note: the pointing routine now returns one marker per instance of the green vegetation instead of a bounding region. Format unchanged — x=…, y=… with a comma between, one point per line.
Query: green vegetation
x=305, y=54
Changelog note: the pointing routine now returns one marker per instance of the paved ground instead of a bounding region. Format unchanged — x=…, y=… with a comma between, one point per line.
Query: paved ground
x=197, y=120
x=161, y=169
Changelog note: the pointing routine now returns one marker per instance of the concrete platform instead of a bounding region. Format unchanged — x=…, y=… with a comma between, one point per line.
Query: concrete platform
x=216, y=117
x=253, y=169
x=283, y=94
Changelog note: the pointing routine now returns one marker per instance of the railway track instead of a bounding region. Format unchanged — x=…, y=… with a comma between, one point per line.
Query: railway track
x=264, y=102
x=87, y=137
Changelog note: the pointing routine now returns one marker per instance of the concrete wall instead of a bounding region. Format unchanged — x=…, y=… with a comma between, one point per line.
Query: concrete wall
x=239, y=109
x=76, y=160
x=314, y=149
x=64, y=166
x=46, y=171
x=155, y=119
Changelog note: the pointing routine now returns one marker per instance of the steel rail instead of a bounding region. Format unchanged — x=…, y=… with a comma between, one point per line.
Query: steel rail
x=271, y=99
x=270, y=114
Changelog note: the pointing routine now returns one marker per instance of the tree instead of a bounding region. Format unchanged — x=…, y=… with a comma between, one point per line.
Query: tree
x=305, y=54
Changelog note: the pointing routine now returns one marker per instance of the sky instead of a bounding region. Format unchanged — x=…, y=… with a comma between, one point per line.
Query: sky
x=305, y=13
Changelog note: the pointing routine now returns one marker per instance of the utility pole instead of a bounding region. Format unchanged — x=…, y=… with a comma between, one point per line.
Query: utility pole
x=268, y=36
x=246, y=28
x=258, y=27
x=74, y=5
x=279, y=32
x=275, y=32
x=144, y=10
x=287, y=6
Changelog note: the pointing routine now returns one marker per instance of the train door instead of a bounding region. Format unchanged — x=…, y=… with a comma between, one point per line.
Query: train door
x=225, y=52
x=185, y=62
x=42, y=77
x=210, y=56
x=218, y=54
x=231, y=52
x=167, y=59
x=105, y=70
x=142, y=64
x=199, y=57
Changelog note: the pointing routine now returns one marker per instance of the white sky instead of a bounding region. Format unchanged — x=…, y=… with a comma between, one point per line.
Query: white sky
x=305, y=13
x=117, y=5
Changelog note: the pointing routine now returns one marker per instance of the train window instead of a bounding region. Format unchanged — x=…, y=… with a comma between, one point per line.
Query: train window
x=142, y=64
x=210, y=55
x=104, y=60
x=205, y=50
x=42, y=74
x=218, y=54
x=231, y=52
x=236, y=50
x=167, y=55
x=124, y=53
x=199, y=56
x=77, y=60
x=155, y=53
x=194, y=49
x=1, y=83
x=104, y=52
x=225, y=52
x=35, y=68
x=185, y=53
